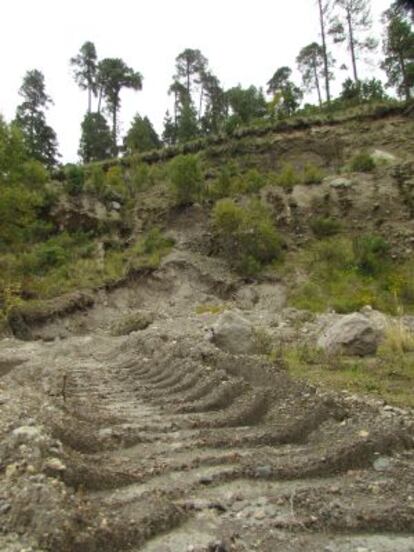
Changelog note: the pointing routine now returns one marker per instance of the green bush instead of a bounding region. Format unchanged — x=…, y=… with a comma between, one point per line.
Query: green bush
x=254, y=181
x=288, y=177
x=362, y=162
x=245, y=235
x=371, y=254
x=312, y=174
x=74, y=179
x=186, y=178
x=35, y=174
x=115, y=181
x=324, y=227
x=334, y=253
x=95, y=181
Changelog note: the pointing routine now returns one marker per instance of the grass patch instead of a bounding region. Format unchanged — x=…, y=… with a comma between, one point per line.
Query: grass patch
x=390, y=378
x=362, y=162
x=345, y=275
x=208, y=308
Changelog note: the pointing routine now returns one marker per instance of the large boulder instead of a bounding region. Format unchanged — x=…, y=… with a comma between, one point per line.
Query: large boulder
x=234, y=334
x=353, y=334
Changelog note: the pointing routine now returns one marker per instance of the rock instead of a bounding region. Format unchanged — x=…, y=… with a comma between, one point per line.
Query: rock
x=132, y=323
x=27, y=434
x=54, y=465
x=115, y=205
x=381, y=156
x=382, y=463
x=234, y=334
x=353, y=334
x=263, y=471
x=341, y=182
x=4, y=507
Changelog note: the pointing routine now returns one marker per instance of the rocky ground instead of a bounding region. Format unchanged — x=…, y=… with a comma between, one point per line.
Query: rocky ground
x=153, y=421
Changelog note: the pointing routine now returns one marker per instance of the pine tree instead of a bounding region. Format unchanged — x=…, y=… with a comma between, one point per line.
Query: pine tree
x=141, y=136
x=85, y=70
x=310, y=63
x=351, y=24
x=169, y=135
x=40, y=139
x=113, y=76
x=399, y=54
x=96, y=139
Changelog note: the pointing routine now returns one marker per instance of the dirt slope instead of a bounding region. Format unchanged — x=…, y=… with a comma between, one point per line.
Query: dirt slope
x=159, y=441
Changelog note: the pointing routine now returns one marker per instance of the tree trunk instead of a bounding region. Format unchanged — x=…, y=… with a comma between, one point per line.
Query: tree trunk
x=325, y=52
x=406, y=85
x=352, y=44
x=114, y=123
x=89, y=99
x=99, y=99
x=317, y=84
x=201, y=103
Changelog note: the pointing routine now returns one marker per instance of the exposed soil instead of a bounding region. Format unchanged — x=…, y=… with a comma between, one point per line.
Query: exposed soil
x=159, y=441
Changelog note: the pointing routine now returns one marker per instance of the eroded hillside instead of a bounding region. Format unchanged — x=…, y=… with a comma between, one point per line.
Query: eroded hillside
x=178, y=397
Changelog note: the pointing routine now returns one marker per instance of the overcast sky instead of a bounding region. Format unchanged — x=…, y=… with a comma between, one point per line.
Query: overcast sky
x=245, y=41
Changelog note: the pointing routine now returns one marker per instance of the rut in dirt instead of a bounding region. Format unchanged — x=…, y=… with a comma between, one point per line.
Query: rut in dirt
x=176, y=451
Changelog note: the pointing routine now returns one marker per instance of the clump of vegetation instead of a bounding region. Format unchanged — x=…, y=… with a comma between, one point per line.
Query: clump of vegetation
x=253, y=181
x=148, y=252
x=389, y=377
x=246, y=235
x=397, y=340
x=288, y=177
x=208, y=308
x=263, y=341
x=312, y=174
x=345, y=275
x=132, y=323
x=324, y=227
x=371, y=254
x=74, y=179
x=186, y=178
x=362, y=162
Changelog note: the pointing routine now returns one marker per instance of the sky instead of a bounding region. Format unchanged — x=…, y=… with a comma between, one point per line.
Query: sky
x=245, y=41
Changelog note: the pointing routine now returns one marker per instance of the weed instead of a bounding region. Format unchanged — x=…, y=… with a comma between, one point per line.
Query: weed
x=312, y=174
x=362, y=162
x=324, y=227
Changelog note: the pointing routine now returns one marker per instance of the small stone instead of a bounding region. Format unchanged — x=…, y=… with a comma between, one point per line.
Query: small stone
x=54, y=465
x=4, y=507
x=206, y=480
x=363, y=433
x=263, y=471
x=382, y=464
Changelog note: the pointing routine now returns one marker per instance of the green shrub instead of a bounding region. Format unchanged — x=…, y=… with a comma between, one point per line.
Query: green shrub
x=245, y=235
x=288, y=177
x=254, y=181
x=324, y=227
x=95, y=182
x=186, y=178
x=140, y=178
x=115, y=181
x=149, y=250
x=35, y=174
x=334, y=253
x=362, y=162
x=222, y=186
x=74, y=179
x=312, y=174
x=371, y=254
